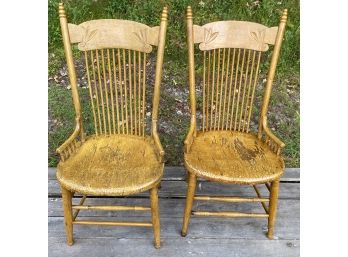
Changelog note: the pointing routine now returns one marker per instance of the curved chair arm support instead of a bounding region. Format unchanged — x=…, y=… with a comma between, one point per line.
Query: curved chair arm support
x=71, y=144
x=191, y=134
x=272, y=140
x=157, y=141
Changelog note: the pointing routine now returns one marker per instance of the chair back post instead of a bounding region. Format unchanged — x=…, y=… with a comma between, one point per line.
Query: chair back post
x=190, y=46
x=159, y=64
x=271, y=73
x=71, y=66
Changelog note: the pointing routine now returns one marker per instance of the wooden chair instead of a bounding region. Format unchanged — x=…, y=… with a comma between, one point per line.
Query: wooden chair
x=119, y=159
x=223, y=149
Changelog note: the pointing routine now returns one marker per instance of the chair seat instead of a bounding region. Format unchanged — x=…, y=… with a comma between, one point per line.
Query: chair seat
x=233, y=157
x=114, y=165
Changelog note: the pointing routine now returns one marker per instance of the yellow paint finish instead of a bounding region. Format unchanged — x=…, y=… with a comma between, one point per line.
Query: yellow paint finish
x=114, y=165
x=119, y=159
x=223, y=150
x=233, y=157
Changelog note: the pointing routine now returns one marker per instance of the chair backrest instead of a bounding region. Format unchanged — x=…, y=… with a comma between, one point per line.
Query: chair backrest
x=116, y=56
x=231, y=60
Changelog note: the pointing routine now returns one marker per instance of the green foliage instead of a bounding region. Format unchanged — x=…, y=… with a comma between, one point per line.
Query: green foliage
x=292, y=134
x=61, y=108
x=266, y=12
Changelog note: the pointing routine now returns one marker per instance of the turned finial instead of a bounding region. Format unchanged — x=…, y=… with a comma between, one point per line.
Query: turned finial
x=164, y=13
x=61, y=10
x=189, y=12
x=284, y=16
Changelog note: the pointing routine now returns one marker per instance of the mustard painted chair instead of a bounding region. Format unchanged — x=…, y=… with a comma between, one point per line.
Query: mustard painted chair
x=119, y=159
x=219, y=146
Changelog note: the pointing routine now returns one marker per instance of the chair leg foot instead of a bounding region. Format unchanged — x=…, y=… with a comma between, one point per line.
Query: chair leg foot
x=273, y=208
x=68, y=216
x=155, y=216
x=192, y=179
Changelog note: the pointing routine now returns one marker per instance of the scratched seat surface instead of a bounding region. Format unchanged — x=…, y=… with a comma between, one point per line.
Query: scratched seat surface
x=111, y=166
x=233, y=157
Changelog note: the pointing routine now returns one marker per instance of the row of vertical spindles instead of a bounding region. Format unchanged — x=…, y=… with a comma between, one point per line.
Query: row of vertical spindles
x=272, y=145
x=229, y=80
x=116, y=81
x=70, y=149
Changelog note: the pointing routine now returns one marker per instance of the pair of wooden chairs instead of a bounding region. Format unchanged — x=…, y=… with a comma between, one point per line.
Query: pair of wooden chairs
x=120, y=159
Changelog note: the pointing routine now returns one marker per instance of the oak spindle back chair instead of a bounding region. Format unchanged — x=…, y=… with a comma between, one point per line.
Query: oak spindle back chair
x=224, y=149
x=119, y=159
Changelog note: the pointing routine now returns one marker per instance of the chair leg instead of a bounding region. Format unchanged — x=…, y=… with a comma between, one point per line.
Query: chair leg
x=273, y=207
x=155, y=216
x=192, y=179
x=68, y=216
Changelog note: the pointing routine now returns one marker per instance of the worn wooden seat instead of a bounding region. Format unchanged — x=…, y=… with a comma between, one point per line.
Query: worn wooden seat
x=233, y=157
x=220, y=145
x=119, y=156
x=116, y=165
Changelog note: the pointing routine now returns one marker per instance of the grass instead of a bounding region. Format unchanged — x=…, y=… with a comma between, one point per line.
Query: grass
x=63, y=117
x=284, y=108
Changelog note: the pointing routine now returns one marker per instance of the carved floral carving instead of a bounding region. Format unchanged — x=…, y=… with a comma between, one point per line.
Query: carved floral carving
x=209, y=36
x=259, y=37
x=87, y=36
x=142, y=36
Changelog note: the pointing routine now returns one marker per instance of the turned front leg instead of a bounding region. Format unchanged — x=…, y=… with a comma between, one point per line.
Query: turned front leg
x=273, y=207
x=68, y=216
x=155, y=216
